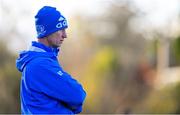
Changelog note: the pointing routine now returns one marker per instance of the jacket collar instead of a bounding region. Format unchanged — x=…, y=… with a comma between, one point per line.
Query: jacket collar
x=39, y=47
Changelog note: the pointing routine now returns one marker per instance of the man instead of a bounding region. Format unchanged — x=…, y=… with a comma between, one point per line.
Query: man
x=45, y=87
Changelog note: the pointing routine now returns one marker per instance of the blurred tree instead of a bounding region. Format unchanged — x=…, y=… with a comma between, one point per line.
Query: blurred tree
x=9, y=82
x=159, y=101
x=101, y=71
x=11, y=39
x=176, y=49
x=177, y=95
x=113, y=30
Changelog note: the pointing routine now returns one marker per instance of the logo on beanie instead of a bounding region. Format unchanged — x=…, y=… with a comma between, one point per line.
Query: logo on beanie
x=40, y=30
x=61, y=19
x=61, y=24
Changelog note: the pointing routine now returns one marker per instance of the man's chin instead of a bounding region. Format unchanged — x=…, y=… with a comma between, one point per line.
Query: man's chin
x=56, y=46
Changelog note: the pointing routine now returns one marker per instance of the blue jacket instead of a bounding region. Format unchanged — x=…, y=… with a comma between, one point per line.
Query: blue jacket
x=45, y=86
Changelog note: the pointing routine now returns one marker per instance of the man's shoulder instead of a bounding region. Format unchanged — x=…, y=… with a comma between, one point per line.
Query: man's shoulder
x=40, y=61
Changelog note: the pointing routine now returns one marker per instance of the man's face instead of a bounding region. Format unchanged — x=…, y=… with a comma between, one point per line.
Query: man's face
x=55, y=40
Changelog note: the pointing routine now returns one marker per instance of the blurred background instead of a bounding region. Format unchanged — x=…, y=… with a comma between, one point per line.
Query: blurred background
x=126, y=53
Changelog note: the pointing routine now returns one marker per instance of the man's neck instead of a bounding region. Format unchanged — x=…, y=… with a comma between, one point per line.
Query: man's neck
x=44, y=41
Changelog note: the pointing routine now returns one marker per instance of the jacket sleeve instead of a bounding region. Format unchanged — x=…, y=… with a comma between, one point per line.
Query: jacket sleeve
x=56, y=83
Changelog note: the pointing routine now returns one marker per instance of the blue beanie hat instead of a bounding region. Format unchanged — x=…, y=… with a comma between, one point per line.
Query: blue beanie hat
x=48, y=20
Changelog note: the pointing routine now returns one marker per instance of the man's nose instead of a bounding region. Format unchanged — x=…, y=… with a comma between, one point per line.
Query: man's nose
x=64, y=35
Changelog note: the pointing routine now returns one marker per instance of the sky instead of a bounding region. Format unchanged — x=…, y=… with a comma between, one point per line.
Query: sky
x=158, y=13
x=70, y=7
x=159, y=10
